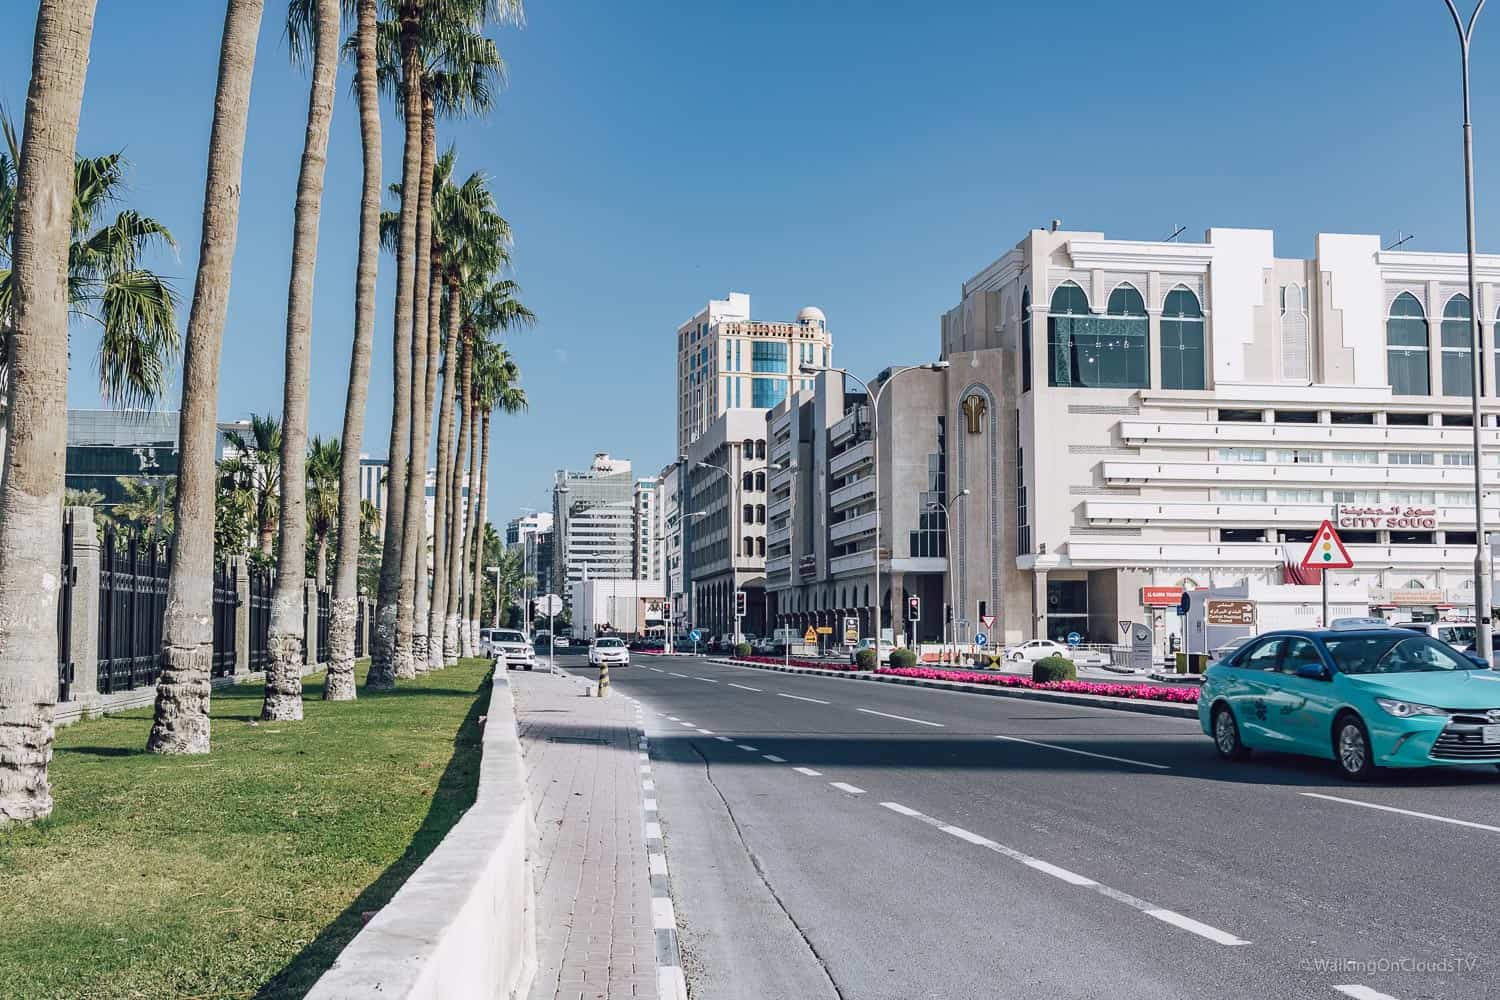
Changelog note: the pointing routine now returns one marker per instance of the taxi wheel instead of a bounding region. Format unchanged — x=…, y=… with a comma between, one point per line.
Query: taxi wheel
x=1351, y=748
x=1227, y=735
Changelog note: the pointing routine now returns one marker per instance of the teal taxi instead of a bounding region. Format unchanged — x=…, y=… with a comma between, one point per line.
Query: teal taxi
x=1363, y=695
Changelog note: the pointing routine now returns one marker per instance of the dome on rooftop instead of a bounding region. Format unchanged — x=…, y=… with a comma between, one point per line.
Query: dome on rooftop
x=811, y=314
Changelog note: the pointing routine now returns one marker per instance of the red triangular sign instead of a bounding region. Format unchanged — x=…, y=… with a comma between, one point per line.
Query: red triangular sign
x=1327, y=550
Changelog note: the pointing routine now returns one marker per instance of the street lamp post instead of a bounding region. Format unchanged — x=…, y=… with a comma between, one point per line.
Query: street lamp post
x=1482, y=638
x=495, y=622
x=931, y=366
x=952, y=576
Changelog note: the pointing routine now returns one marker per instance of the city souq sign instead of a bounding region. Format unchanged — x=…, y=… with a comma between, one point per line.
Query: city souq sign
x=1395, y=517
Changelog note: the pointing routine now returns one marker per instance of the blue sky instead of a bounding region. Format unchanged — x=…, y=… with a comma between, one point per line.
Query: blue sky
x=862, y=157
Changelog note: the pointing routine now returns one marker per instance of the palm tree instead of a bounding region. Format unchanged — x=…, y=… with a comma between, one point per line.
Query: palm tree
x=495, y=387
x=135, y=307
x=148, y=511
x=324, y=459
x=255, y=470
x=344, y=608
x=181, y=722
x=32, y=494
x=284, y=674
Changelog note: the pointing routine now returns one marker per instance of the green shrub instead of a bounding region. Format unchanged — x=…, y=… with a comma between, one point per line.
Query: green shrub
x=742, y=649
x=865, y=659
x=903, y=657
x=1053, y=668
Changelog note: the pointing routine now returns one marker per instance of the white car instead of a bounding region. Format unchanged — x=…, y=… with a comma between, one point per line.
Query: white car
x=510, y=647
x=1037, y=649
x=609, y=651
x=868, y=643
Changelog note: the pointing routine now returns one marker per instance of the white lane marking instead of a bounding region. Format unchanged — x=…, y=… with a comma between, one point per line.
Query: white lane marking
x=657, y=669
x=706, y=680
x=648, y=785
x=723, y=739
x=658, y=863
x=653, y=831
x=650, y=805
x=748, y=747
x=645, y=768
x=798, y=697
x=673, y=718
x=676, y=674
x=687, y=725
x=773, y=758
x=706, y=732
x=1085, y=753
x=1073, y=878
x=808, y=771
x=843, y=787
x=663, y=917
x=1359, y=992
x=1404, y=812
x=644, y=756
x=670, y=982
x=743, y=687
x=903, y=718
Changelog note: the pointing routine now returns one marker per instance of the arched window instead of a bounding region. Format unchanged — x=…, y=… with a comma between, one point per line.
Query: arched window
x=760, y=513
x=1182, y=341
x=760, y=546
x=1458, y=365
x=1406, y=347
x=760, y=482
x=749, y=448
x=1099, y=352
x=1026, y=340
x=749, y=545
x=749, y=513
x=747, y=481
x=1296, y=348
x=760, y=448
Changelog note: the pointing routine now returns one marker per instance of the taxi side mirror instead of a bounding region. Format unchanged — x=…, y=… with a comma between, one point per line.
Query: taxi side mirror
x=1313, y=671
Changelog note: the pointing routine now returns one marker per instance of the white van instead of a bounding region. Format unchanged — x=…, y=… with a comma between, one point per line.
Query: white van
x=1459, y=635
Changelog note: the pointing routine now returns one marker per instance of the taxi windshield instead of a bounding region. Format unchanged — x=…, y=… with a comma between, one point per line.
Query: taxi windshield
x=1394, y=654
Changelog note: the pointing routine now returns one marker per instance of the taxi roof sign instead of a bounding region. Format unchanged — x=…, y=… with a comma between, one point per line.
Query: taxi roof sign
x=1327, y=550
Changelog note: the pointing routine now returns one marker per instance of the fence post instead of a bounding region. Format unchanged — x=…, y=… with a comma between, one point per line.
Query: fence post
x=85, y=617
x=309, y=622
x=241, y=617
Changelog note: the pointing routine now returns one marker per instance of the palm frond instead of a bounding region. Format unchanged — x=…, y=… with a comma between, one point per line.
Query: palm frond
x=139, y=315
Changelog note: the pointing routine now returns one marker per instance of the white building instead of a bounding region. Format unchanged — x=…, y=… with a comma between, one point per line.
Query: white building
x=726, y=361
x=594, y=519
x=645, y=558
x=725, y=528
x=373, y=487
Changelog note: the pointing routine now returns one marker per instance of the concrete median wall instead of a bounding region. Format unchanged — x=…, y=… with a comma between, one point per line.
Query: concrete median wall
x=463, y=927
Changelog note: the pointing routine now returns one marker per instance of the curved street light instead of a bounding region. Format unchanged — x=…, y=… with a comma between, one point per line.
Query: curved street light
x=931, y=366
x=952, y=575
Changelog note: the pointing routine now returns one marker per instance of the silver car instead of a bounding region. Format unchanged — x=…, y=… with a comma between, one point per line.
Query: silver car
x=511, y=648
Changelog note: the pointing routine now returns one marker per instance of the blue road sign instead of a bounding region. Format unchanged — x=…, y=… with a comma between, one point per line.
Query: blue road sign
x=1074, y=638
x=981, y=640
x=695, y=635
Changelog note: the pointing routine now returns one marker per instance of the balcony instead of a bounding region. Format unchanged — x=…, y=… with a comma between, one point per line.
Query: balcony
x=860, y=454
x=844, y=429
x=862, y=560
x=853, y=492
x=861, y=525
x=778, y=533
x=1454, y=477
x=1188, y=514
x=776, y=508
x=779, y=564
x=1087, y=553
x=1168, y=434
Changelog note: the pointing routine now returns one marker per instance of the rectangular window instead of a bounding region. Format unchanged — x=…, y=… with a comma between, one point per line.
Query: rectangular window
x=1297, y=456
x=767, y=392
x=1242, y=416
x=1299, y=496
x=1410, y=458
x=1457, y=498
x=1242, y=454
x=1023, y=509
x=1346, y=457
x=1356, y=496
x=770, y=357
x=1242, y=534
x=1099, y=352
x=1239, y=494
x=1411, y=419
x=1296, y=416
x=1349, y=417
x=1458, y=420
x=1458, y=458
x=1411, y=496
x=728, y=356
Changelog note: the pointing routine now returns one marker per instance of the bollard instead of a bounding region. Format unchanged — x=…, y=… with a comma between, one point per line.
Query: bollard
x=603, y=679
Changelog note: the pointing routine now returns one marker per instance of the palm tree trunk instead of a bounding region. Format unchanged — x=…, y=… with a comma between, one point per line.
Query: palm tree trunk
x=32, y=495
x=414, y=533
x=343, y=611
x=484, y=482
x=437, y=619
x=320, y=570
x=387, y=651
x=469, y=640
x=267, y=532
x=284, y=673
x=422, y=621
x=181, y=723
x=452, y=633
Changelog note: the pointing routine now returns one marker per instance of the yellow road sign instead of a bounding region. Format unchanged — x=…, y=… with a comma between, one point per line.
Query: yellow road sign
x=810, y=635
x=825, y=630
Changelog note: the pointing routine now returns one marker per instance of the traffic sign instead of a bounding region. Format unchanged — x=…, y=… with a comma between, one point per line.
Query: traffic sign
x=981, y=640
x=914, y=609
x=1074, y=638
x=739, y=604
x=851, y=631
x=549, y=604
x=986, y=621
x=810, y=635
x=1184, y=604
x=1327, y=550
x=695, y=635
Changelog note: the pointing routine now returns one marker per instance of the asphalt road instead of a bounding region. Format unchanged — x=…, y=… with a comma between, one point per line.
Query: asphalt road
x=830, y=838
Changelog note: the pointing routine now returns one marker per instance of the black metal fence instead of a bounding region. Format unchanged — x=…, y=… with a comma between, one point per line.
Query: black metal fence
x=262, y=583
x=132, y=605
x=325, y=609
x=359, y=629
x=226, y=602
x=65, y=616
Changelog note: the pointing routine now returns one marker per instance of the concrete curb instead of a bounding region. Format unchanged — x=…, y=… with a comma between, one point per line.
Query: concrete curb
x=1171, y=709
x=464, y=925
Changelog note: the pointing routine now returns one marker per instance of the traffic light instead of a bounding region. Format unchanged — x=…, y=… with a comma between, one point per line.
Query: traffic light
x=914, y=609
x=739, y=604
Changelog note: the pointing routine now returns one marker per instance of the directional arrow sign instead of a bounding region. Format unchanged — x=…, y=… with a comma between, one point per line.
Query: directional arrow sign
x=1327, y=550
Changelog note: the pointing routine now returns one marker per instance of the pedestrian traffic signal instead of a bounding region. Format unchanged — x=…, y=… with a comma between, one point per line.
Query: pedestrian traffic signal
x=739, y=604
x=914, y=609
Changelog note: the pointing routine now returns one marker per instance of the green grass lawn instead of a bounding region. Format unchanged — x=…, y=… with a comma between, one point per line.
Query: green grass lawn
x=242, y=873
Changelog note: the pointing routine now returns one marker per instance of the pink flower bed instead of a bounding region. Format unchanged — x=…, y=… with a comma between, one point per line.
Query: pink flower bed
x=777, y=661
x=1142, y=692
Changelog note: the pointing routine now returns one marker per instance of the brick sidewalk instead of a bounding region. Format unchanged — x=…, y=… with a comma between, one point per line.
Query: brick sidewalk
x=593, y=884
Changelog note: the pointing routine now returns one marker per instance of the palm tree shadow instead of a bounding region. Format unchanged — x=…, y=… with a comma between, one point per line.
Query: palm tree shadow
x=456, y=791
x=101, y=751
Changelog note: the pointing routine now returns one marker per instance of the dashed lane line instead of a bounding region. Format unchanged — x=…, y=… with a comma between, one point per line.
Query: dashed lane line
x=705, y=732
x=723, y=739
x=676, y=674
x=845, y=787
x=1150, y=909
x=1085, y=753
x=1404, y=812
x=773, y=758
x=706, y=680
x=748, y=748
x=798, y=697
x=903, y=718
x=743, y=687
x=808, y=771
x=1359, y=992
